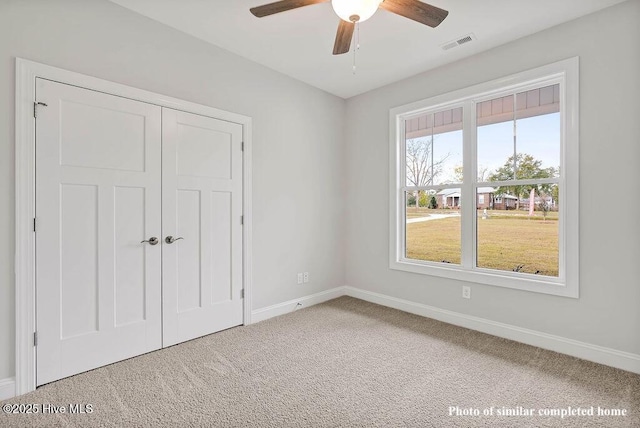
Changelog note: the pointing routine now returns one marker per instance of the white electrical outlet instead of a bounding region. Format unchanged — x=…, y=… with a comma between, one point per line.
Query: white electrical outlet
x=306, y=277
x=466, y=291
x=300, y=278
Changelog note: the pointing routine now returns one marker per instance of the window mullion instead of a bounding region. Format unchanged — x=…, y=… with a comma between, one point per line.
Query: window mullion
x=515, y=131
x=469, y=167
x=401, y=213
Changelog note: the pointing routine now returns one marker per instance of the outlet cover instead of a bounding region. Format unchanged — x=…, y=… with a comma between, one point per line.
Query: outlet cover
x=306, y=277
x=466, y=291
x=300, y=278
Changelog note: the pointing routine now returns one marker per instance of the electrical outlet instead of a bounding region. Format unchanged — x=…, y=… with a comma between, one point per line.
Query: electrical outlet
x=466, y=291
x=306, y=277
x=300, y=278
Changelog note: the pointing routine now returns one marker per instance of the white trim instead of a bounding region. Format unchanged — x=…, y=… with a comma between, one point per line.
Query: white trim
x=291, y=305
x=586, y=351
x=566, y=284
x=26, y=73
x=598, y=354
x=7, y=388
x=247, y=219
x=25, y=380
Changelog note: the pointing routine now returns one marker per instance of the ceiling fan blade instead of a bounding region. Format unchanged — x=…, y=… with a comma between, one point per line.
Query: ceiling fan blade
x=416, y=10
x=343, y=38
x=282, y=6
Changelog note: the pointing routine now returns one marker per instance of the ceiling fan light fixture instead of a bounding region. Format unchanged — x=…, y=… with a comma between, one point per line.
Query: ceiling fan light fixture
x=355, y=10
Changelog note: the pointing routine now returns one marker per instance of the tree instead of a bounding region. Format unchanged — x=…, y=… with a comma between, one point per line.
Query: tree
x=458, y=173
x=544, y=206
x=526, y=167
x=421, y=167
x=423, y=199
x=482, y=173
x=555, y=194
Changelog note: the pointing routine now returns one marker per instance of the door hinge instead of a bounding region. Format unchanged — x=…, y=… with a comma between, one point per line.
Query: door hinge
x=35, y=338
x=242, y=220
x=35, y=108
x=34, y=224
x=242, y=293
x=242, y=146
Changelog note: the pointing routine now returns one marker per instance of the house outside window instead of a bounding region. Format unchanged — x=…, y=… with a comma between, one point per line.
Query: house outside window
x=484, y=182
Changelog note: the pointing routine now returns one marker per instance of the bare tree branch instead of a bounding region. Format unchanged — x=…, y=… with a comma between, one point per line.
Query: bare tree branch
x=422, y=169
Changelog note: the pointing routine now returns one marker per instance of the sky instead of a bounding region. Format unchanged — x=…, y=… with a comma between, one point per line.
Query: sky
x=538, y=136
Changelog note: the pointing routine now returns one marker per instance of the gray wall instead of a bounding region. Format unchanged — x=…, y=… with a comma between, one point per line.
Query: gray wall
x=298, y=163
x=608, y=311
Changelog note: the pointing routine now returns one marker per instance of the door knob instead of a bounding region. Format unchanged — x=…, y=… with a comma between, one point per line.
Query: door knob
x=170, y=239
x=152, y=241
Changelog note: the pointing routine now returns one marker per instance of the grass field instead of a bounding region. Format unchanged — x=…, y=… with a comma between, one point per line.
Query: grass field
x=505, y=240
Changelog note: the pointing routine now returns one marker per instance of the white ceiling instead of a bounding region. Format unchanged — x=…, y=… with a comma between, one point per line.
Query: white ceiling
x=299, y=42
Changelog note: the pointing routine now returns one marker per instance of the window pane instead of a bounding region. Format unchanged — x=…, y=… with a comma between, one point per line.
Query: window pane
x=432, y=228
x=538, y=132
x=433, y=148
x=495, y=119
x=519, y=240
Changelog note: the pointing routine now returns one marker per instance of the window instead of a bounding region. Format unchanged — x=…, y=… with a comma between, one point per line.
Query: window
x=484, y=183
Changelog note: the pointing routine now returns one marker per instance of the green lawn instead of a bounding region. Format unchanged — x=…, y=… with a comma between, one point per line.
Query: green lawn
x=505, y=240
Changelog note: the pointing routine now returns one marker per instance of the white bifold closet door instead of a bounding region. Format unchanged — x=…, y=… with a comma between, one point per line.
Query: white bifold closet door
x=111, y=174
x=98, y=194
x=202, y=208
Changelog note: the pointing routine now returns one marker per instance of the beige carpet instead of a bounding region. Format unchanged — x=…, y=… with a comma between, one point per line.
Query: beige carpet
x=345, y=363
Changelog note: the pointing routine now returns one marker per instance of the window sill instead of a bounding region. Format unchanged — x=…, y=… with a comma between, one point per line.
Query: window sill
x=525, y=282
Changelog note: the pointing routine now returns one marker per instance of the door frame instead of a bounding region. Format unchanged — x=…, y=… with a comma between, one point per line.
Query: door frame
x=25, y=110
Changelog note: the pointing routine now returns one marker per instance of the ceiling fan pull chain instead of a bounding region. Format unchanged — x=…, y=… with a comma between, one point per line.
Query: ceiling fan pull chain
x=356, y=43
x=354, y=52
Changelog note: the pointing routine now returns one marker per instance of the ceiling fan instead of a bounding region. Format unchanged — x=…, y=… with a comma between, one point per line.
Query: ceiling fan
x=356, y=11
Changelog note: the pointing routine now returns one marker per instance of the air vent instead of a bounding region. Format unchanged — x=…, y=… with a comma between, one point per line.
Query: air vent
x=450, y=45
x=462, y=40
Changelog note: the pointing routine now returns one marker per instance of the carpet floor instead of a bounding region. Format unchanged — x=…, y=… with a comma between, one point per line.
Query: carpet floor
x=344, y=363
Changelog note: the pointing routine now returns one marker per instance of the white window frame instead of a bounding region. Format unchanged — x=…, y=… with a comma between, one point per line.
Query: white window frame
x=565, y=73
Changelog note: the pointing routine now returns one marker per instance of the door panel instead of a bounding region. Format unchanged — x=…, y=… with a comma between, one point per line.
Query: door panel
x=187, y=253
x=130, y=259
x=203, y=152
x=221, y=246
x=98, y=189
x=122, y=148
x=202, y=203
x=78, y=260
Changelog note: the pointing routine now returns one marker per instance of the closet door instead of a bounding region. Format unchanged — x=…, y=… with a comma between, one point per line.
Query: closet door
x=202, y=231
x=98, y=193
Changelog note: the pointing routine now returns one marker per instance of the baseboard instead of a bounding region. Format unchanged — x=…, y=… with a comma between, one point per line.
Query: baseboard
x=7, y=388
x=290, y=305
x=586, y=351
